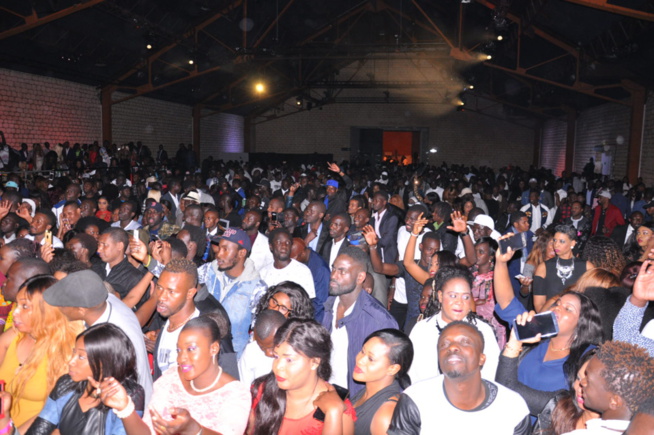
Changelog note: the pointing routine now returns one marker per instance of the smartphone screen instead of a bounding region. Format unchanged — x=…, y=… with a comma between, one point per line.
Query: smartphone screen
x=516, y=243
x=543, y=323
x=224, y=223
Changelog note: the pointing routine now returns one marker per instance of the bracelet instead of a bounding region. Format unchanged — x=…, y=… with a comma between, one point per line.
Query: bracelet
x=415, y=235
x=513, y=349
x=149, y=260
x=7, y=428
x=467, y=233
x=125, y=412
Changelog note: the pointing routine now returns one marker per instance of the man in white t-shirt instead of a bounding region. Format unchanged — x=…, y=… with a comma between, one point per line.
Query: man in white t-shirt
x=284, y=268
x=460, y=401
x=257, y=358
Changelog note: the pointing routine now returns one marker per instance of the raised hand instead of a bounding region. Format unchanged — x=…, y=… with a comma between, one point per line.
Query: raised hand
x=419, y=224
x=112, y=393
x=333, y=167
x=47, y=252
x=5, y=206
x=643, y=290
x=504, y=257
x=370, y=235
x=138, y=250
x=459, y=224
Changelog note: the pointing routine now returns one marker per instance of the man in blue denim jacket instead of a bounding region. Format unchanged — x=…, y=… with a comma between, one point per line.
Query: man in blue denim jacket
x=351, y=315
x=234, y=281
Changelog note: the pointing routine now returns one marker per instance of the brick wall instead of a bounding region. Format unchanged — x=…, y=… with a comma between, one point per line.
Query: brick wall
x=43, y=109
x=647, y=151
x=462, y=137
x=39, y=109
x=552, y=152
x=153, y=122
x=607, y=124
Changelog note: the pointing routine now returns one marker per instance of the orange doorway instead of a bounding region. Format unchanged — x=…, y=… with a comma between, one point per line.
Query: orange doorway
x=399, y=145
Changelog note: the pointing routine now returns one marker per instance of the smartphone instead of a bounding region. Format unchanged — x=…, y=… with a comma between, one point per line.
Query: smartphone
x=224, y=223
x=48, y=237
x=516, y=243
x=519, y=276
x=136, y=234
x=273, y=216
x=544, y=324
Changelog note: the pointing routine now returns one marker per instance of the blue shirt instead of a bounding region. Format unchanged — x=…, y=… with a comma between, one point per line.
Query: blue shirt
x=542, y=375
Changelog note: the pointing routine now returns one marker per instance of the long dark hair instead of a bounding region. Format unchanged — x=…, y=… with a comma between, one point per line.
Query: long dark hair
x=400, y=352
x=307, y=337
x=301, y=305
x=110, y=353
x=442, y=277
x=588, y=332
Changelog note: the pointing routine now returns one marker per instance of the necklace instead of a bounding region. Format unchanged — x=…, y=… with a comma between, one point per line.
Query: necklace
x=564, y=272
x=558, y=350
x=213, y=384
x=171, y=328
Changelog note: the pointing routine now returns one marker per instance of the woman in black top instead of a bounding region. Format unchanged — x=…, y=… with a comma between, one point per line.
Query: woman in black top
x=383, y=364
x=560, y=272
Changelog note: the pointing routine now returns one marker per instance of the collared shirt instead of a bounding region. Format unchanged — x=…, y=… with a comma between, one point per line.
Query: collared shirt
x=340, y=342
x=336, y=246
x=314, y=243
x=132, y=225
x=378, y=218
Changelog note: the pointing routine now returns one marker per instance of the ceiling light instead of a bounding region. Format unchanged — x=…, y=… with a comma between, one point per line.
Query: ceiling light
x=500, y=37
x=489, y=57
x=149, y=46
x=191, y=62
x=260, y=88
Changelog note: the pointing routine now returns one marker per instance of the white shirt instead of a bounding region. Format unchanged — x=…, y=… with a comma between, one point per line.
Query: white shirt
x=536, y=219
x=260, y=253
x=56, y=243
x=334, y=252
x=314, y=243
x=167, y=350
x=499, y=414
x=253, y=363
x=597, y=426
x=378, y=218
x=121, y=315
x=339, y=353
x=132, y=225
x=424, y=337
x=402, y=240
x=295, y=271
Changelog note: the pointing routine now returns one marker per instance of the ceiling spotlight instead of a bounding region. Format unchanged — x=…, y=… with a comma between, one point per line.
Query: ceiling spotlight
x=489, y=57
x=191, y=61
x=260, y=88
x=500, y=37
x=298, y=102
x=149, y=46
x=433, y=150
x=471, y=86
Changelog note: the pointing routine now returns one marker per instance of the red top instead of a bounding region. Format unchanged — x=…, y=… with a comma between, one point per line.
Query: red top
x=306, y=425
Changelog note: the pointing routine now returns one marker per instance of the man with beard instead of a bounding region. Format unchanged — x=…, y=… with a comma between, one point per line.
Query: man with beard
x=351, y=314
x=260, y=253
x=460, y=401
x=176, y=290
x=153, y=219
x=284, y=268
x=234, y=281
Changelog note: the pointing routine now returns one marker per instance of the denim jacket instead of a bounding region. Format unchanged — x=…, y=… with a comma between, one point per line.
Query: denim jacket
x=239, y=302
x=368, y=316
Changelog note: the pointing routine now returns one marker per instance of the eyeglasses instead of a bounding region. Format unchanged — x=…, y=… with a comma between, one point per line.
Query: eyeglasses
x=274, y=304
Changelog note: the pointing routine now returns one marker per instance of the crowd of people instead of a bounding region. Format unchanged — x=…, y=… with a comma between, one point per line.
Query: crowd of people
x=142, y=294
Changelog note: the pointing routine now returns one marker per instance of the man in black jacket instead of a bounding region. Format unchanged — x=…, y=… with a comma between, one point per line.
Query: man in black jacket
x=114, y=268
